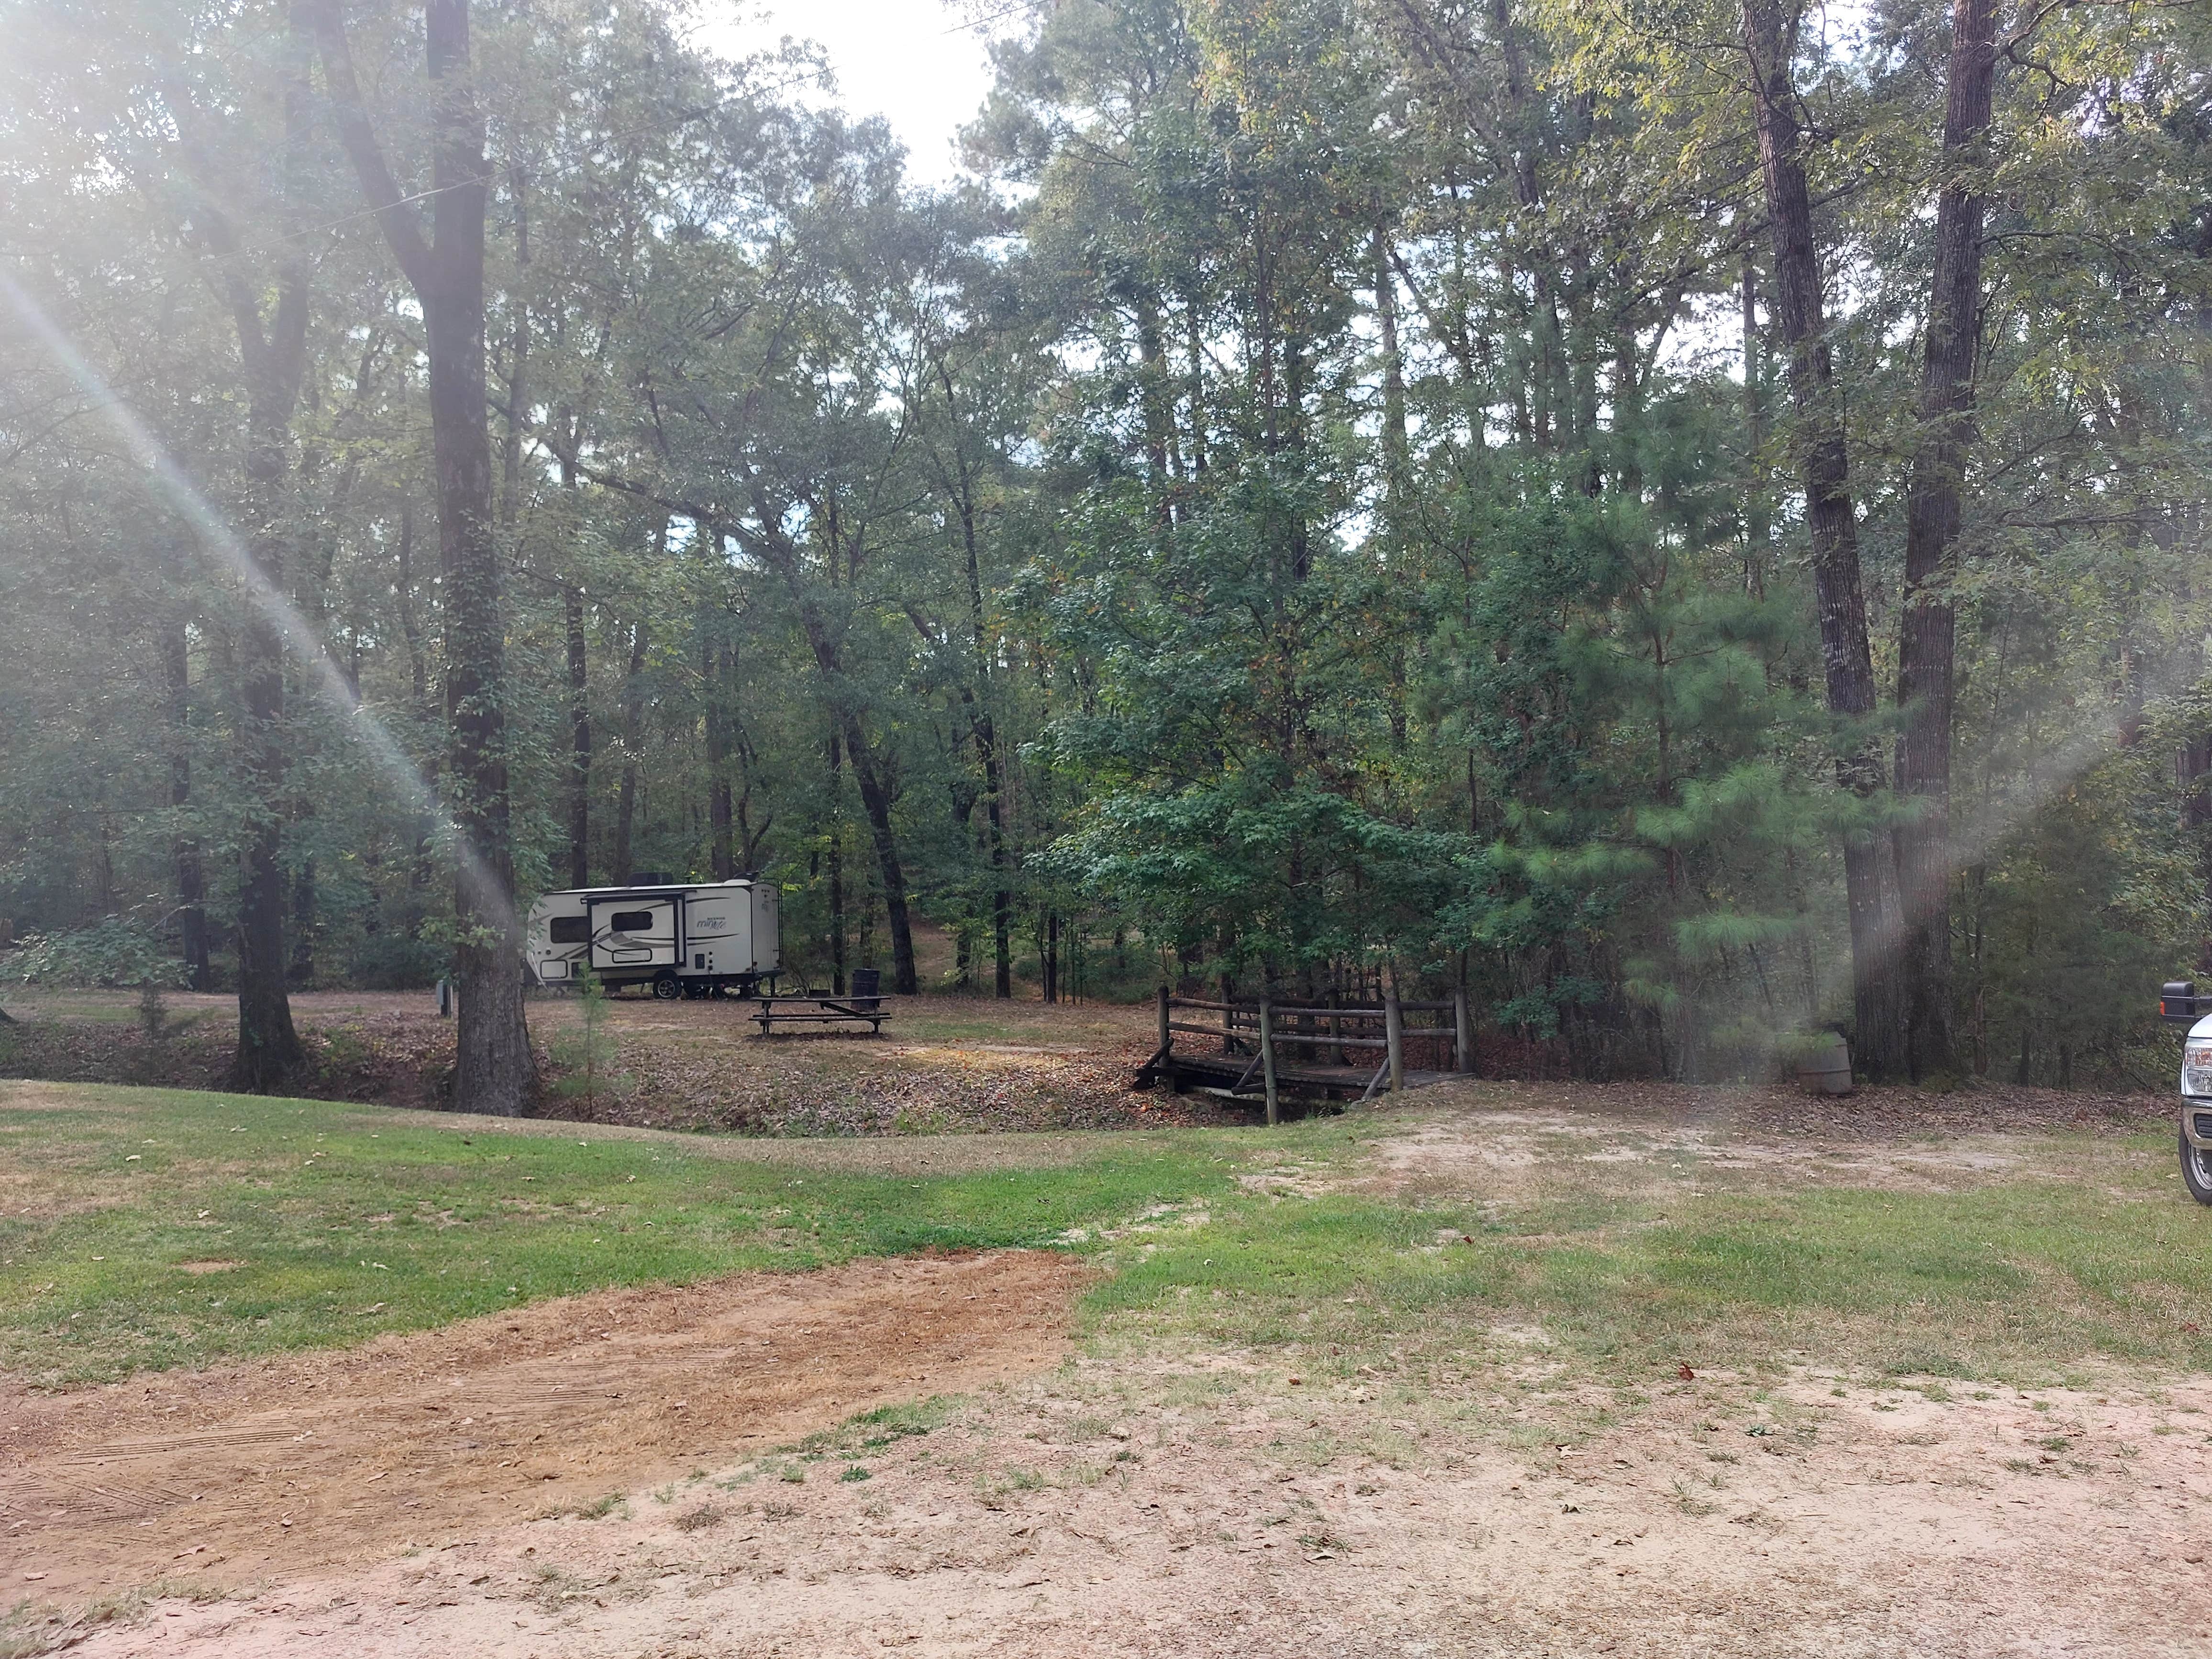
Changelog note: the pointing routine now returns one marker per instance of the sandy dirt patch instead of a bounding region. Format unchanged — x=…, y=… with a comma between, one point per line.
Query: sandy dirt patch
x=316, y=1461
x=1502, y=1141
x=1063, y=1516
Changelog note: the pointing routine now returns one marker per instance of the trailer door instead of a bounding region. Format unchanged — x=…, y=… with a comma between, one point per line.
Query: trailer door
x=633, y=934
x=718, y=932
x=767, y=927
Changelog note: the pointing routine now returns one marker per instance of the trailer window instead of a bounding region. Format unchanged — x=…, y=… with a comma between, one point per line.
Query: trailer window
x=632, y=922
x=571, y=930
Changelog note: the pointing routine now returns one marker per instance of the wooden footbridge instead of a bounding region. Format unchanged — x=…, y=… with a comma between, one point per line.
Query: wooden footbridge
x=1254, y=1053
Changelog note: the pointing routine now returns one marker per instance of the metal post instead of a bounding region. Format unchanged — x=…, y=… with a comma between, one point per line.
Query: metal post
x=1462, y=1033
x=1393, y=1033
x=1267, y=1056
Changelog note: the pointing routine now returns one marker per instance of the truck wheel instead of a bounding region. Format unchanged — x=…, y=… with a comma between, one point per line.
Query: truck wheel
x=2197, y=1170
x=666, y=986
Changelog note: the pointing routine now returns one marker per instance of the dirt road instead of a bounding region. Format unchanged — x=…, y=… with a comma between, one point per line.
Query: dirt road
x=313, y=1462
x=1080, y=1514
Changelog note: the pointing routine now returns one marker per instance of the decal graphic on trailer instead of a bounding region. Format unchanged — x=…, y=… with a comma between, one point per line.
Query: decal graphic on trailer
x=634, y=932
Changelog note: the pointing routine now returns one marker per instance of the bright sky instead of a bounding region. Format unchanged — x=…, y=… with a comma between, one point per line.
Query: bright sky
x=910, y=60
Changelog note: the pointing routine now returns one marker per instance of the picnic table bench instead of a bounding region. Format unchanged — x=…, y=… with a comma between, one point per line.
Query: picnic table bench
x=823, y=1008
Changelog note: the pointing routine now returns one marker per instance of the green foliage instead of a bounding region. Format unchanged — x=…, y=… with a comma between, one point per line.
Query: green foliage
x=113, y=950
x=587, y=1055
x=1313, y=511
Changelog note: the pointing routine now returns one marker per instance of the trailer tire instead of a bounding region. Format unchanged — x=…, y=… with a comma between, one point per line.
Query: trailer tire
x=666, y=986
x=2196, y=1170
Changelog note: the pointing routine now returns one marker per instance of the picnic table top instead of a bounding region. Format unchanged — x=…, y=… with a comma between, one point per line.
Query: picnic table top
x=827, y=1007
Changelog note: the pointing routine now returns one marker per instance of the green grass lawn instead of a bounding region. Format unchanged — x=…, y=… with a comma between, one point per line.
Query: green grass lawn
x=333, y=1223
x=2020, y=1280
x=345, y=1221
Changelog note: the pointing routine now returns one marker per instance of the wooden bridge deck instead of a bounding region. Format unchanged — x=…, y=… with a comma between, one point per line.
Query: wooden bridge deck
x=1185, y=1072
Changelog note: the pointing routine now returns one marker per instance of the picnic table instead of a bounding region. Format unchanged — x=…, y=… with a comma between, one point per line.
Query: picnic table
x=863, y=1006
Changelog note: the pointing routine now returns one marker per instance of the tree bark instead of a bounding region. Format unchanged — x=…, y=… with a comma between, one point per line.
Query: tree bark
x=299, y=973
x=1394, y=446
x=494, y=1071
x=633, y=739
x=984, y=728
x=876, y=794
x=720, y=801
x=192, y=882
x=579, y=739
x=1869, y=869
x=837, y=867
x=876, y=801
x=1758, y=515
x=272, y=358
x=1927, y=626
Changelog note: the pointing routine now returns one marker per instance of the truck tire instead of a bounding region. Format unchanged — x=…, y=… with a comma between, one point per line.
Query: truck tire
x=2197, y=1170
x=666, y=986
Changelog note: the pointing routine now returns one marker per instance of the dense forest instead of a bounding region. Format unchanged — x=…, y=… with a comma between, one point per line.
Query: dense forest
x=1683, y=518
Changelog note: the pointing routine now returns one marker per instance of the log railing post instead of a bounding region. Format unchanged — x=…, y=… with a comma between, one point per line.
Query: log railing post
x=1394, y=1034
x=1462, y=1033
x=1267, y=1056
x=1166, y=1037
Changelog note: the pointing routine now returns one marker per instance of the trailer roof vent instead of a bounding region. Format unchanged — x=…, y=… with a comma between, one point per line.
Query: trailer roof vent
x=650, y=879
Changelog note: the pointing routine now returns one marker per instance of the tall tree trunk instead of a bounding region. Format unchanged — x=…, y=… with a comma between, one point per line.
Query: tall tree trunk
x=268, y=1046
x=272, y=355
x=1758, y=513
x=410, y=625
x=868, y=770
x=1628, y=410
x=1927, y=627
x=579, y=739
x=192, y=882
x=494, y=1070
x=836, y=866
x=876, y=802
x=1152, y=387
x=300, y=974
x=1869, y=869
x=1002, y=898
x=1394, y=448
x=633, y=737
x=721, y=816
x=518, y=364
x=982, y=725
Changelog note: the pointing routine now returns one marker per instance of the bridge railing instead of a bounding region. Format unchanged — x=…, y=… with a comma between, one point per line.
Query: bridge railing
x=1273, y=1036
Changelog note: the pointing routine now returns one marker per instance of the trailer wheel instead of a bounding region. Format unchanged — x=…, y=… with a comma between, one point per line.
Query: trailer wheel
x=666, y=986
x=2197, y=1170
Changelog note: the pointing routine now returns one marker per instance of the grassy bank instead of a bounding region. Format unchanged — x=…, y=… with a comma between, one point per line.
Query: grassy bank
x=2096, y=1256
x=962, y=1064
x=149, y=1228
x=160, y=1227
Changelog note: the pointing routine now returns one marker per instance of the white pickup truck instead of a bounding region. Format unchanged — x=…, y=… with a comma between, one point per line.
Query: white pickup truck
x=2179, y=1004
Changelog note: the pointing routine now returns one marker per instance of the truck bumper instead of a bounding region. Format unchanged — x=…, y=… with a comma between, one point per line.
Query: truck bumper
x=2197, y=1121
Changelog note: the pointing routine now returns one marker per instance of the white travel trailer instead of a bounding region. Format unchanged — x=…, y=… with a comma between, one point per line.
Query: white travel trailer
x=684, y=938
